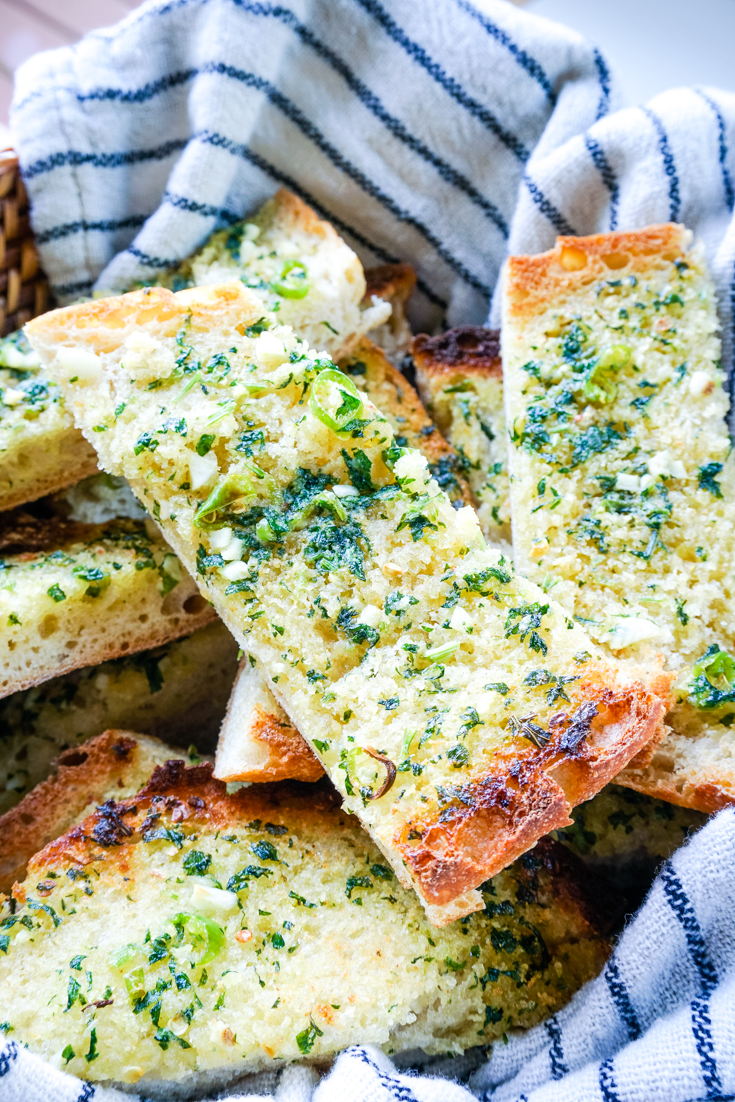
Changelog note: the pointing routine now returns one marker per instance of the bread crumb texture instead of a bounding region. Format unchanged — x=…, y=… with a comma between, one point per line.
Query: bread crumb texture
x=622, y=489
x=427, y=676
x=460, y=378
x=178, y=692
x=299, y=267
x=40, y=450
x=95, y=592
x=186, y=936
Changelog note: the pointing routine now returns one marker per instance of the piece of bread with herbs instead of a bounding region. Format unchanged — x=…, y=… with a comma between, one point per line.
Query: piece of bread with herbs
x=460, y=378
x=393, y=283
x=183, y=937
x=623, y=494
x=40, y=450
x=295, y=261
x=177, y=692
x=422, y=671
x=113, y=765
x=626, y=835
x=257, y=741
x=73, y=595
x=299, y=267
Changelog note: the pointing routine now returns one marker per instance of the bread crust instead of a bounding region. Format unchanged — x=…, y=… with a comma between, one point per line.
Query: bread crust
x=393, y=282
x=466, y=349
x=575, y=262
x=498, y=817
x=281, y=751
x=85, y=775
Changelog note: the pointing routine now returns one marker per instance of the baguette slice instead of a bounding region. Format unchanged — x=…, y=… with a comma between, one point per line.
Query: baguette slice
x=318, y=602
x=177, y=692
x=308, y=946
x=460, y=378
x=40, y=450
x=297, y=264
x=73, y=595
x=257, y=741
x=623, y=493
x=114, y=765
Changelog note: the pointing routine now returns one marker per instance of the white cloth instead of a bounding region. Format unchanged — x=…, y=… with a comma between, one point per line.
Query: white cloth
x=446, y=135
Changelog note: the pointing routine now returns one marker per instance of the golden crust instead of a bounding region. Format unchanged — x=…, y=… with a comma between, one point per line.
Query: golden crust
x=498, y=817
x=575, y=262
x=393, y=282
x=289, y=756
x=86, y=775
x=467, y=349
x=187, y=793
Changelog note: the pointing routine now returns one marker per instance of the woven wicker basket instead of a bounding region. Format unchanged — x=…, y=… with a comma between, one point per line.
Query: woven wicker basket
x=23, y=287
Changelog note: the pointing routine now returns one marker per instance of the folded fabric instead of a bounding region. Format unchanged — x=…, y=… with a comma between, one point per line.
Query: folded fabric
x=446, y=135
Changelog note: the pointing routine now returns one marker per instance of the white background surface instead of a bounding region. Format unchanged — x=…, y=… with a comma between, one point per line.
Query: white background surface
x=655, y=44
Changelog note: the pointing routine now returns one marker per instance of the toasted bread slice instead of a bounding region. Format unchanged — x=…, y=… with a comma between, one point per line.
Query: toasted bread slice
x=40, y=450
x=73, y=595
x=460, y=377
x=623, y=494
x=393, y=283
x=258, y=742
x=183, y=937
x=113, y=765
x=297, y=264
x=331, y=520
x=177, y=692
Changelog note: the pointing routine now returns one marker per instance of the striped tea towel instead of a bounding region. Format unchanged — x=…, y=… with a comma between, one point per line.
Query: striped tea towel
x=444, y=134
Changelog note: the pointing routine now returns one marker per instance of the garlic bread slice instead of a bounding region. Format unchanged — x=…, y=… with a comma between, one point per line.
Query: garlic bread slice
x=177, y=692
x=113, y=765
x=299, y=266
x=40, y=450
x=460, y=378
x=183, y=937
x=623, y=493
x=427, y=676
x=73, y=595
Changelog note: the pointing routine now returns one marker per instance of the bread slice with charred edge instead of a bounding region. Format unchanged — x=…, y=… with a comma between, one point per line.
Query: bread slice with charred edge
x=393, y=283
x=74, y=595
x=177, y=692
x=352, y=668
x=113, y=765
x=223, y=934
x=623, y=485
x=460, y=378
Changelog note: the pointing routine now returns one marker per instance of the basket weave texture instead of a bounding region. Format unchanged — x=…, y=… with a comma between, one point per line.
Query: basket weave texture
x=24, y=289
